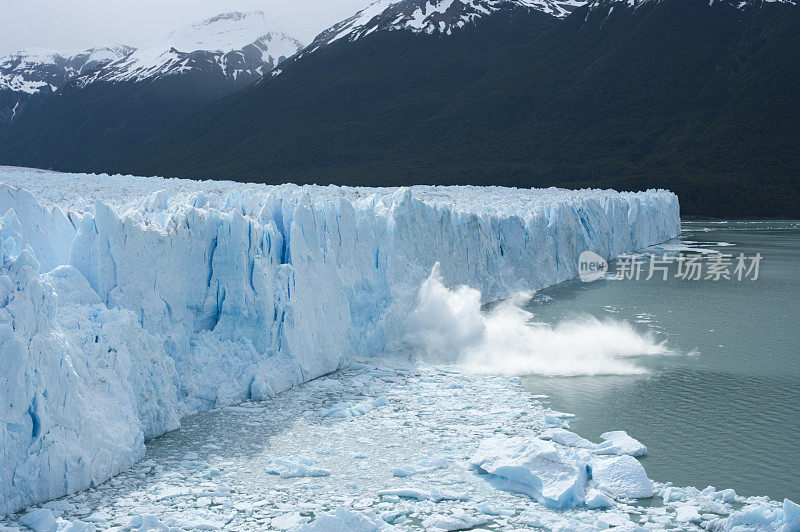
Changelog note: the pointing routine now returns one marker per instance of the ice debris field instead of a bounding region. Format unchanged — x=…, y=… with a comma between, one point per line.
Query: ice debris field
x=134, y=306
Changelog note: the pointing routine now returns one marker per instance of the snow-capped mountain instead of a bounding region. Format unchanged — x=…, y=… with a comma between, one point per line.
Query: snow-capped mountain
x=431, y=16
x=37, y=71
x=34, y=69
x=237, y=45
x=609, y=5
x=135, y=97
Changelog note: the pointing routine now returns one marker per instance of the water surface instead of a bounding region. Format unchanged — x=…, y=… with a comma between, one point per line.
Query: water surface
x=725, y=409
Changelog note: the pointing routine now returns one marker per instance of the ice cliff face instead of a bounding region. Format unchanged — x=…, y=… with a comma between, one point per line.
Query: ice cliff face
x=127, y=303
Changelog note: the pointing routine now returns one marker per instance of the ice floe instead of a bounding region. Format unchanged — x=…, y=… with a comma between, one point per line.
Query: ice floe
x=621, y=477
x=534, y=467
x=302, y=467
x=616, y=442
x=212, y=472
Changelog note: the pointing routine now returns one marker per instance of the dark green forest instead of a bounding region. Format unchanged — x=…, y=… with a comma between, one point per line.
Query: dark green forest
x=701, y=99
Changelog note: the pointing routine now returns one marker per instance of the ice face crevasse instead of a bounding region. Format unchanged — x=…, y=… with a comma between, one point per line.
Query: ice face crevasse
x=124, y=308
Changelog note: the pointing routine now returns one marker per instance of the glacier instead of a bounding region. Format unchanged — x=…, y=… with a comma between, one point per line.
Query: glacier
x=128, y=303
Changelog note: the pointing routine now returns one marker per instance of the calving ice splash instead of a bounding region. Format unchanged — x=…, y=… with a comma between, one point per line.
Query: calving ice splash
x=449, y=326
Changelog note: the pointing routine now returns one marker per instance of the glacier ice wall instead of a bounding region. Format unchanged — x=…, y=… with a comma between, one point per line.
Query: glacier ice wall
x=127, y=303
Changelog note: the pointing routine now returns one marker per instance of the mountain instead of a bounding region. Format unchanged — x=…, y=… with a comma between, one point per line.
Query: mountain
x=697, y=96
x=30, y=74
x=136, y=96
x=426, y=16
x=239, y=47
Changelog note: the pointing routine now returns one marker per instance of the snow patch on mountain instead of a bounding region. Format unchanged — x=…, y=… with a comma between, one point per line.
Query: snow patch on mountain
x=235, y=44
x=127, y=303
x=35, y=69
x=431, y=16
x=606, y=7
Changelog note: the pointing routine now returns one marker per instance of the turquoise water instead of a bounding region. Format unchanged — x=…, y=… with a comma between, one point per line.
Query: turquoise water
x=724, y=409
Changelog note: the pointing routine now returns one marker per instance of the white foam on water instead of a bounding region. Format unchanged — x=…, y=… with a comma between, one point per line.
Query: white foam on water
x=448, y=326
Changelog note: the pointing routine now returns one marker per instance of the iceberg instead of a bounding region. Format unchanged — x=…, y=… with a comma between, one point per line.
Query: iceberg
x=40, y=520
x=533, y=467
x=596, y=499
x=358, y=409
x=616, y=442
x=302, y=467
x=762, y=517
x=566, y=438
x=344, y=520
x=127, y=303
x=426, y=464
x=621, y=477
x=453, y=521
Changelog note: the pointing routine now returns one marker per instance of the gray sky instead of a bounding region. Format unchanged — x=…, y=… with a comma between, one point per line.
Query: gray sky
x=85, y=23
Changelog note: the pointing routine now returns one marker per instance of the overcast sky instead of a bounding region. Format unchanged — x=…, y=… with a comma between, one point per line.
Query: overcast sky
x=85, y=23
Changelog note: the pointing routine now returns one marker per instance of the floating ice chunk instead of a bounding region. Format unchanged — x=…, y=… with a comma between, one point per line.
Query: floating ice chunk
x=765, y=518
x=487, y=509
x=791, y=513
x=554, y=421
x=39, y=520
x=715, y=507
x=596, y=499
x=687, y=514
x=459, y=520
x=288, y=521
x=621, y=477
x=618, y=442
x=198, y=519
x=344, y=520
x=303, y=467
x=537, y=519
x=98, y=517
x=444, y=495
x=565, y=437
x=171, y=493
x=613, y=519
x=533, y=467
x=146, y=523
x=358, y=409
x=79, y=526
x=404, y=471
x=671, y=494
x=426, y=464
x=396, y=515
x=406, y=493
x=558, y=419
x=615, y=443
x=419, y=494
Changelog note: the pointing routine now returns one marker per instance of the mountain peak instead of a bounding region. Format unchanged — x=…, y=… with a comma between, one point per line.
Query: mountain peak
x=635, y=4
x=32, y=70
x=234, y=16
x=236, y=43
x=432, y=16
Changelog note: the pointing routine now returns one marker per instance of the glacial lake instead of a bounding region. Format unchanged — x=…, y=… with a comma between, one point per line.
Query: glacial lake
x=723, y=409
